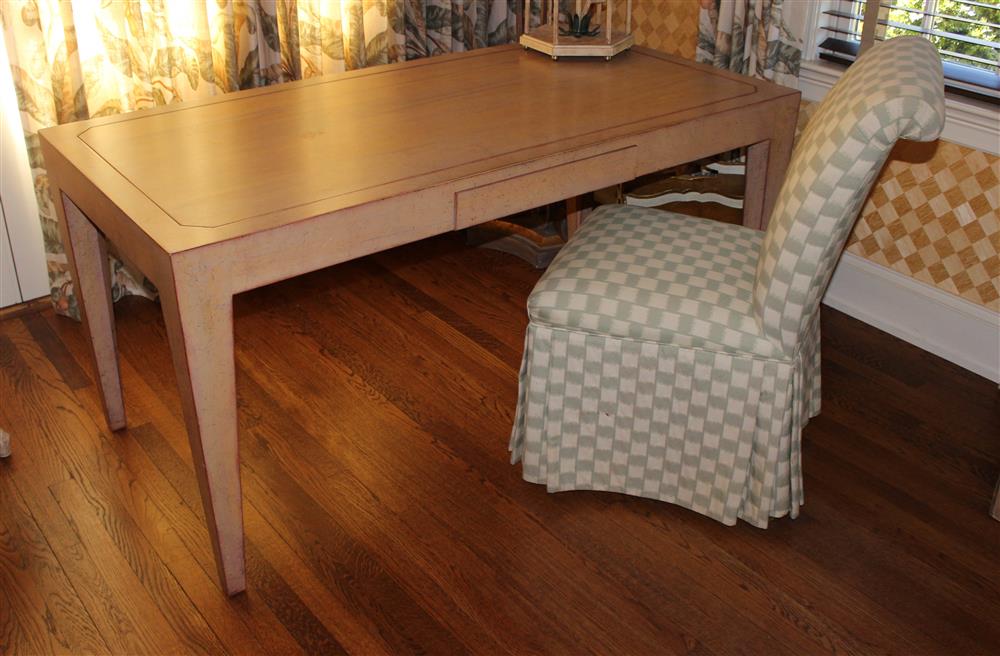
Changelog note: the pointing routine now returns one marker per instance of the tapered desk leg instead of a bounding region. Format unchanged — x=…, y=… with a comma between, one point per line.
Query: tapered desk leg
x=575, y=214
x=87, y=251
x=767, y=163
x=199, y=322
x=756, y=183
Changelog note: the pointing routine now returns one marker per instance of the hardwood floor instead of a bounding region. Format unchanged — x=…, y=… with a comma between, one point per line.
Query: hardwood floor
x=383, y=515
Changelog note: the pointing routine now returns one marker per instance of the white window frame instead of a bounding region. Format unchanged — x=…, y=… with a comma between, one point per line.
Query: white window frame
x=969, y=122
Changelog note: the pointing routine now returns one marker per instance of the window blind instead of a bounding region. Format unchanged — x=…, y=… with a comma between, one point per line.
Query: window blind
x=965, y=32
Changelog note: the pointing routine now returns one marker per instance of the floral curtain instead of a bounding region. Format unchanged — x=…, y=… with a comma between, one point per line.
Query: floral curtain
x=76, y=59
x=762, y=38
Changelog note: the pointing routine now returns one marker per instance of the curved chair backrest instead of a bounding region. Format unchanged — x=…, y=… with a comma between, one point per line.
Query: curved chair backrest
x=894, y=91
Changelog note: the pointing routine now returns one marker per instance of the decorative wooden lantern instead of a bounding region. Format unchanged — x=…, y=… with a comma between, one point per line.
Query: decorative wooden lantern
x=589, y=31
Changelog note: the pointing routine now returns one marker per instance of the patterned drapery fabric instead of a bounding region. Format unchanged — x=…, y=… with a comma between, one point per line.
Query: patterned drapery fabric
x=761, y=38
x=77, y=59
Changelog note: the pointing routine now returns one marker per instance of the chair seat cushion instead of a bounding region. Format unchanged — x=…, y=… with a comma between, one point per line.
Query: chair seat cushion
x=651, y=275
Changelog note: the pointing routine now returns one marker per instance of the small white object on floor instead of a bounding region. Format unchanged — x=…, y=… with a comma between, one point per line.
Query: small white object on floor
x=4, y=443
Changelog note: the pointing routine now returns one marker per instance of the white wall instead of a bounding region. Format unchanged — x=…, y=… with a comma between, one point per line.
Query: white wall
x=10, y=289
x=24, y=252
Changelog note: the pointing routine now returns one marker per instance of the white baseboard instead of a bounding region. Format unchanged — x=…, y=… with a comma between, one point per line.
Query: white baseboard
x=934, y=320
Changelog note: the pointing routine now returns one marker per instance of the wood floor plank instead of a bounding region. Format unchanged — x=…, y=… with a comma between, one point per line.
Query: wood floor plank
x=300, y=393
x=867, y=410
x=123, y=629
x=892, y=360
x=842, y=610
x=38, y=596
x=344, y=565
x=112, y=617
x=278, y=597
x=178, y=532
x=462, y=570
x=302, y=378
x=320, y=560
x=137, y=574
x=289, y=596
x=787, y=608
x=425, y=402
x=454, y=286
x=55, y=350
x=932, y=497
x=381, y=281
x=351, y=505
x=920, y=530
x=383, y=516
x=884, y=574
x=60, y=433
x=240, y=622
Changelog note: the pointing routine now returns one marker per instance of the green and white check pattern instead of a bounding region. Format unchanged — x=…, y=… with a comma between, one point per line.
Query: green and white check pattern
x=678, y=358
x=895, y=91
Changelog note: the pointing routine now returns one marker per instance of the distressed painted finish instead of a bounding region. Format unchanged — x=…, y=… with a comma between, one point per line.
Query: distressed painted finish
x=201, y=239
x=88, y=260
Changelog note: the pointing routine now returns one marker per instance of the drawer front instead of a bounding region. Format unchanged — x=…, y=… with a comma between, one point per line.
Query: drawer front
x=526, y=191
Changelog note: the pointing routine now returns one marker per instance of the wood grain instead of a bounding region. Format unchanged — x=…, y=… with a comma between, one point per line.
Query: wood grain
x=375, y=401
x=41, y=612
x=114, y=599
x=56, y=352
x=485, y=116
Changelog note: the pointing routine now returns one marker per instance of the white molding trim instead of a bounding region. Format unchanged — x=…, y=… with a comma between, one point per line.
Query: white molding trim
x=968, y=122
x=944, y=324
x=816, y=78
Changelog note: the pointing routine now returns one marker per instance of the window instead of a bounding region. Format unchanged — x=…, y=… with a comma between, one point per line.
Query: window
x=966, y=33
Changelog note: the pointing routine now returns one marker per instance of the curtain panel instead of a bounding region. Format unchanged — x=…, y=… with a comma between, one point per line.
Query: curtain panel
x=761, y=38
x=77, y=59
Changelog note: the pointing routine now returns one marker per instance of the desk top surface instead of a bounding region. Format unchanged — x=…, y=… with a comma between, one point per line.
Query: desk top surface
x=258, y=159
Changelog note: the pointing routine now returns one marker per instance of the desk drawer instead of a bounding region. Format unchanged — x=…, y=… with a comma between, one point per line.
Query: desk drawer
x=528, y=190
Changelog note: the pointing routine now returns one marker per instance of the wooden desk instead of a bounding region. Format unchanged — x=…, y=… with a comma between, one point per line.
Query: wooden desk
x=217, y=197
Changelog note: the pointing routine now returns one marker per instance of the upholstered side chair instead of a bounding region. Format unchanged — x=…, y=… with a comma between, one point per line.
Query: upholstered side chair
x=677, y=358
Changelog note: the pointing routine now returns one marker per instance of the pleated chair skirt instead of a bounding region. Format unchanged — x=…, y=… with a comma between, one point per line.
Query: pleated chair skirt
x=711, y=431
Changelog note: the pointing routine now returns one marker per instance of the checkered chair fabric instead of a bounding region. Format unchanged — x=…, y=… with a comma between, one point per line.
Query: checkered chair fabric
x=677, y=358
x=894, y=91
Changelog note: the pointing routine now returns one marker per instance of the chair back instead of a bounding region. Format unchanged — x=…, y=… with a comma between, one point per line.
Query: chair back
x=893, y=91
